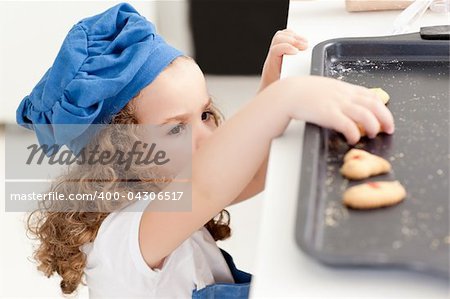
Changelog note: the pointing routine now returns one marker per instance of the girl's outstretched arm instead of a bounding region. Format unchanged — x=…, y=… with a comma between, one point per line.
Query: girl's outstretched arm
x=284, y=42
x=227, y=161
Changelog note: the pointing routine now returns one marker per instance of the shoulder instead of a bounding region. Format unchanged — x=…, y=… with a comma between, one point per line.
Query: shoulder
x=117, y=245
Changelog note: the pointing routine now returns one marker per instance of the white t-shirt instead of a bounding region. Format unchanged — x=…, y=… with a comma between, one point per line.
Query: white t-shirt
x=115, y=266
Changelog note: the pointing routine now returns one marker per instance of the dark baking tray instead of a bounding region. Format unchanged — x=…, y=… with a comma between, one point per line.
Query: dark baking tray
x=415, y=233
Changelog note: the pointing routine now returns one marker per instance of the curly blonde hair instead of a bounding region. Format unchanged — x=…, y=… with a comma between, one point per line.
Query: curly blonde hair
x=62, y=230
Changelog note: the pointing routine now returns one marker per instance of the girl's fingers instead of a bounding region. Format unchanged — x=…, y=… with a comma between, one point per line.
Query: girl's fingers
x=299, y=43
x=283, y=38
x=369, y=99
x=364, y=117
x=293, y=34
x=346, y=126
x=300, y=38
x=283, y=49
x=302, y=45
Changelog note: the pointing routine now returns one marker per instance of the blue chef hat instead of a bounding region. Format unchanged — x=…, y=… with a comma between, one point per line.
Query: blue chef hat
x=104, y=61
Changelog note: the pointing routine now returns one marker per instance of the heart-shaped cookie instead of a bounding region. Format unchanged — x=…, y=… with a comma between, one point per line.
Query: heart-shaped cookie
x=381, y=94
x=359, y=164
x=374, y=195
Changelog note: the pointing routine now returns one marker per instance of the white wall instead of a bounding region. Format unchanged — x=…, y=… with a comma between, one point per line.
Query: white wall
x=173, y=24
x=31, y=34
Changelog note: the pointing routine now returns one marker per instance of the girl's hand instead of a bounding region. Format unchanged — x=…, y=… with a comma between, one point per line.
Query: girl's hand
x=337, y=105
x=284, y=42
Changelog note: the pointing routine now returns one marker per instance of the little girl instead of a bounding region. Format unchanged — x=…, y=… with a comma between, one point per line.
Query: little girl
x=113, y=68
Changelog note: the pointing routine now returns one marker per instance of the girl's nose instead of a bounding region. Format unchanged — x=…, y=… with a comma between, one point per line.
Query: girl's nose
x=200, y=133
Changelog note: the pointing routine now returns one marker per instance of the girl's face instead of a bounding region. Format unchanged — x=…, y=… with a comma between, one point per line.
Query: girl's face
x=179, y=101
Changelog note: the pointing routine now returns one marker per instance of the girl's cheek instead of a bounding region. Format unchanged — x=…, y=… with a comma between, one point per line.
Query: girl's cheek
x=177, y=149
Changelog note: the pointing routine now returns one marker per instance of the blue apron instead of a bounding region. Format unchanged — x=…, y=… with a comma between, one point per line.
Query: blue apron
x=239, y=289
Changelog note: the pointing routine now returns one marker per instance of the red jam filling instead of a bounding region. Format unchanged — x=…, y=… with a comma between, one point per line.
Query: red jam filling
x=374, y=185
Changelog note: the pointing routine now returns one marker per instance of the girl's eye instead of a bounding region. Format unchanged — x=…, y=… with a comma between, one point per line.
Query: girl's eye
x=207, y=115
x=177, y=129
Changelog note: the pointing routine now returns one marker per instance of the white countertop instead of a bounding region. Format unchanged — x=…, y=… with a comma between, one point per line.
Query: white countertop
x=282, y=269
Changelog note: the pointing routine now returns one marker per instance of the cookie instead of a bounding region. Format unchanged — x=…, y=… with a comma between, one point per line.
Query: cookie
x=374, y=195
x=359, y=164
x=384, y=97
